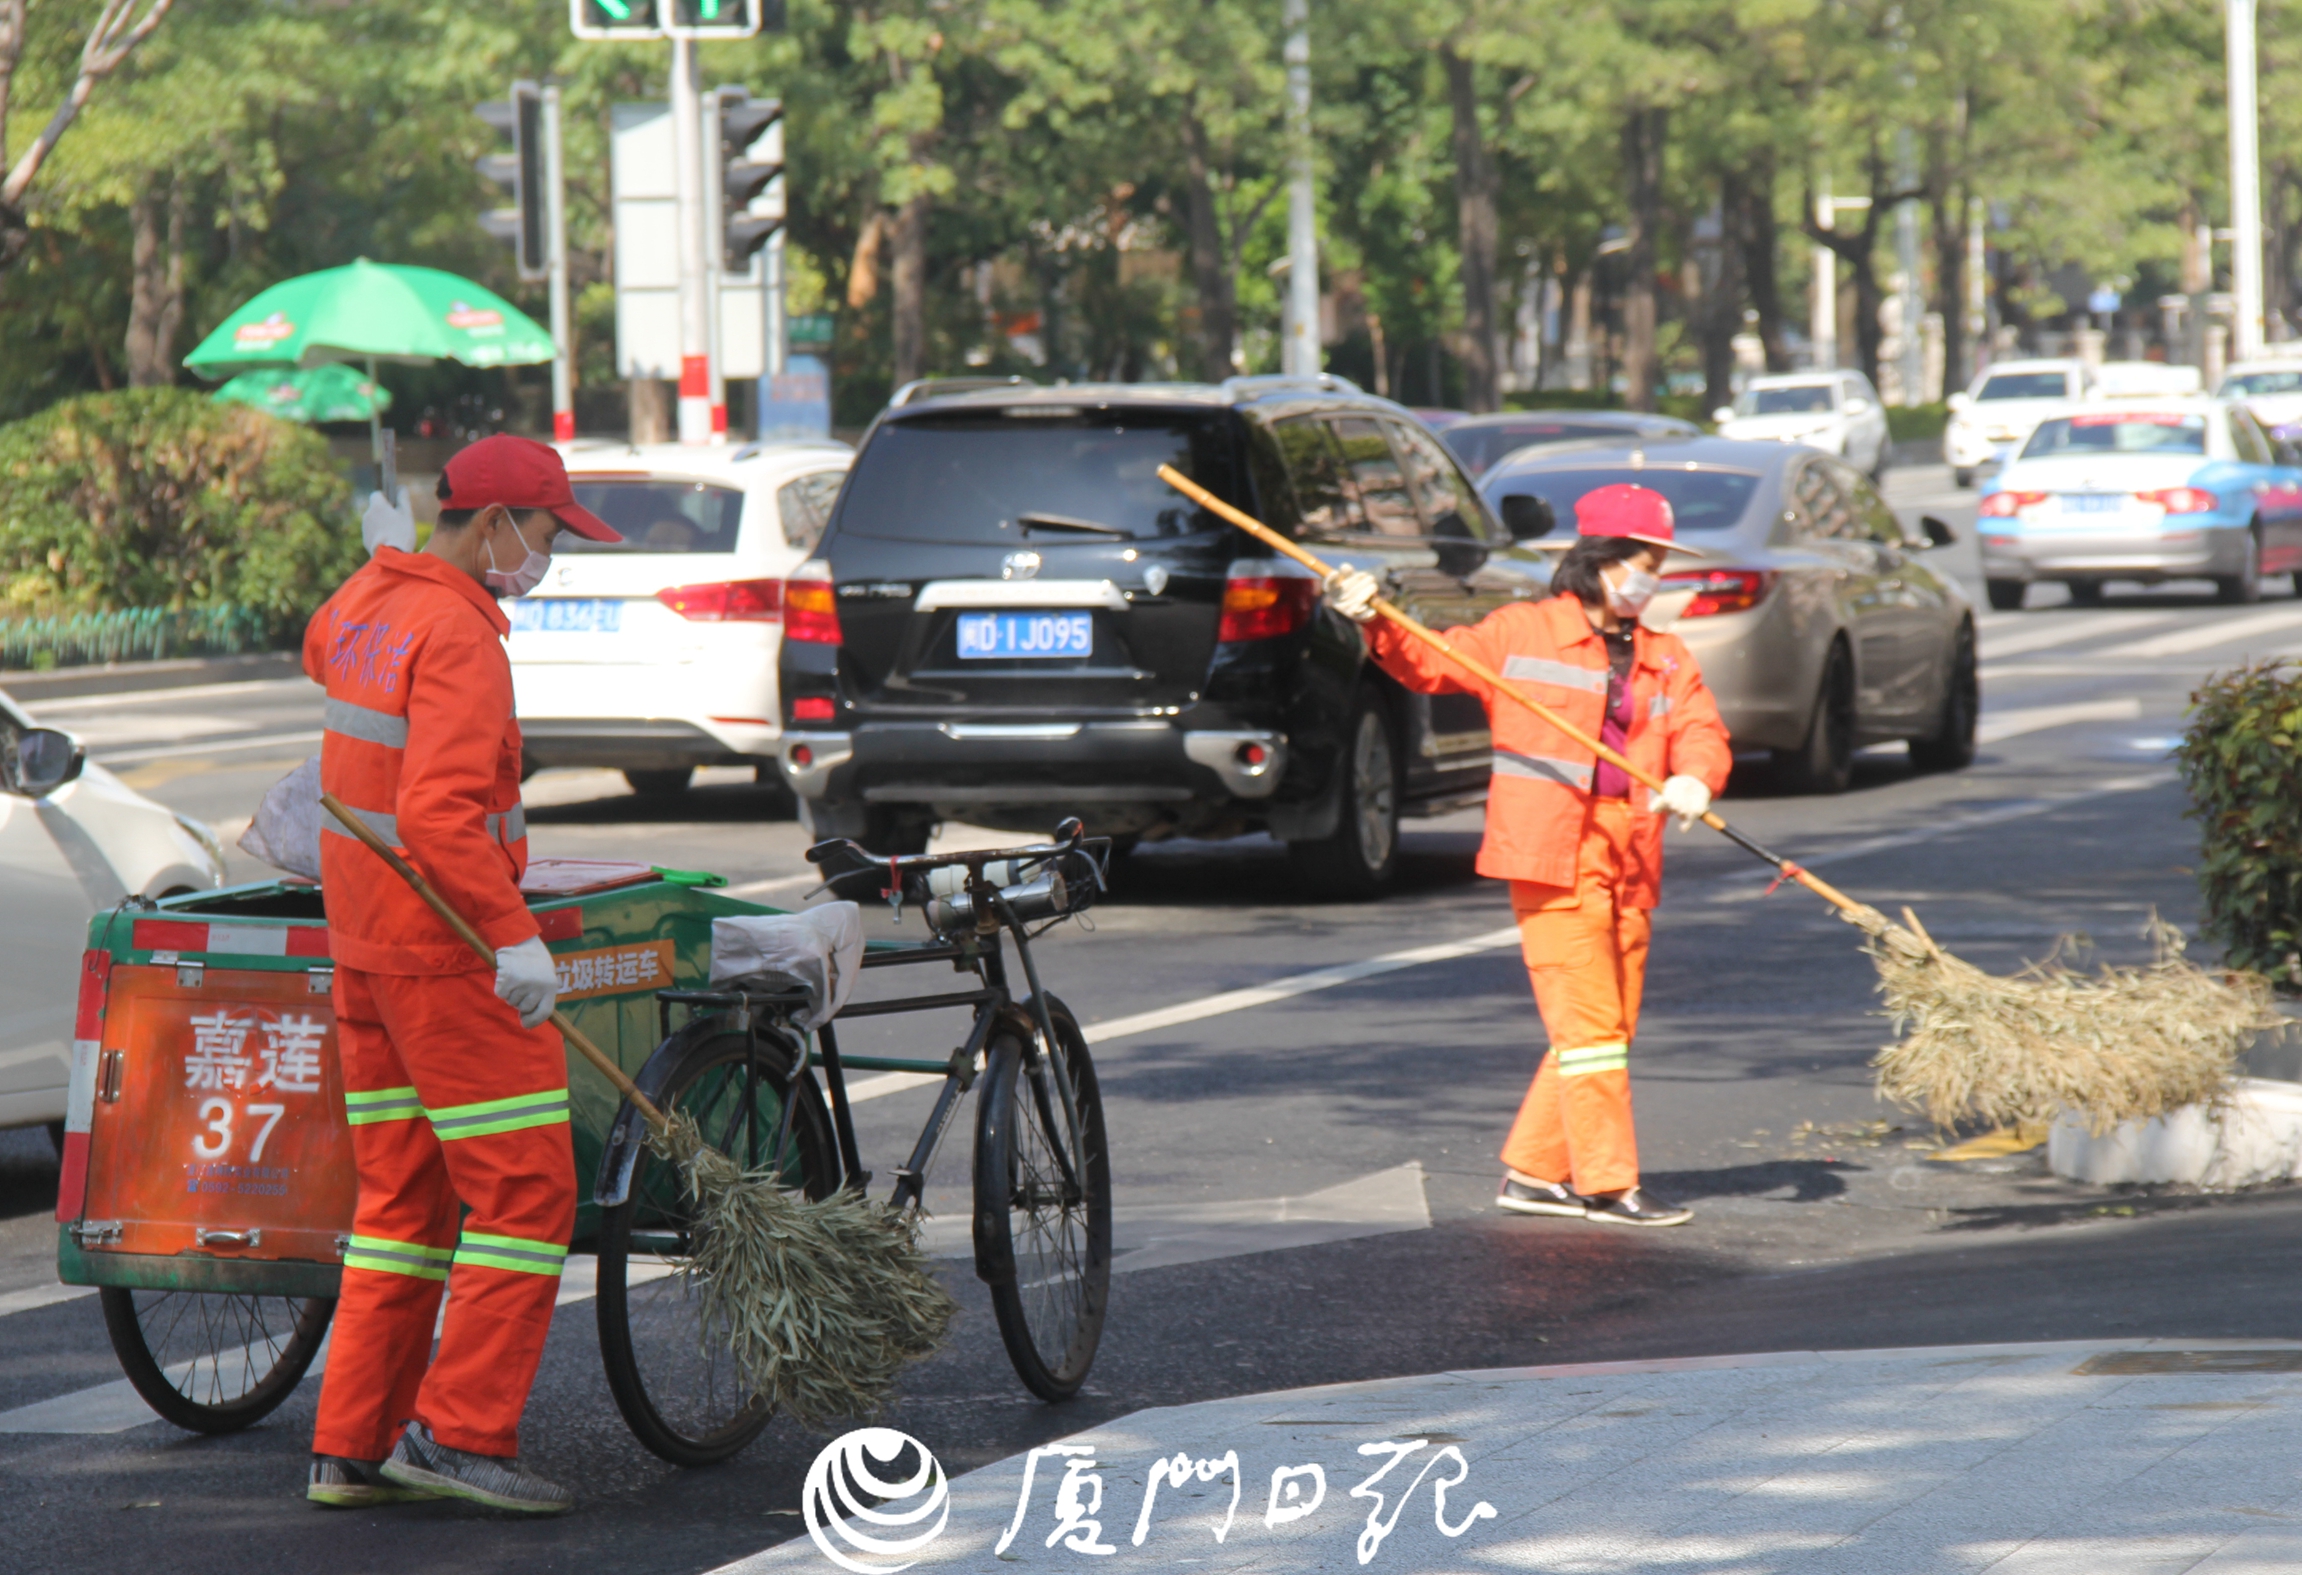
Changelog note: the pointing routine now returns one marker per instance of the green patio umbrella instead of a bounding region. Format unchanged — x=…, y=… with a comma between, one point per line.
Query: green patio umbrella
x=325, y=393
x=371, y=312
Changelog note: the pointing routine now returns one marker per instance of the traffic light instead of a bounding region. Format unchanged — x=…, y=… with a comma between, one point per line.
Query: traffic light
x=614, y=19
x=715, y=18
x=751, y=173
x=520, y=172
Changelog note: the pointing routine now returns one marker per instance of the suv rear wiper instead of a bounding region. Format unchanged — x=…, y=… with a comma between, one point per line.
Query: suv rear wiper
x=1065, y=522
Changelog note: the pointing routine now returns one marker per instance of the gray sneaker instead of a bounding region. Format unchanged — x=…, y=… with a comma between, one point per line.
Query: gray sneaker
x=339, y=1483
x=421, y=1461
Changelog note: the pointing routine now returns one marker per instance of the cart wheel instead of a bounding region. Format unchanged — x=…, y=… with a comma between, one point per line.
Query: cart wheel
x=1046, y=1222
x=212, y=1362
x=671, y=1375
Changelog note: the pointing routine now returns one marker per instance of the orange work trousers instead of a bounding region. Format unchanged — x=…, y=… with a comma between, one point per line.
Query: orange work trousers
x=453, y=1106
x=1587, y=955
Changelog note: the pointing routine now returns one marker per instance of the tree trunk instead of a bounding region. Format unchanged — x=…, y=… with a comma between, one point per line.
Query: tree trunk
x=1748, y=195
x=1475, y=193
x=1722, y=300
x=1951, y=212
x=1858, y=251
x=1643, y=132
x=649, y=401
x=909, y=277
x=1210, y=272
x=156, y=284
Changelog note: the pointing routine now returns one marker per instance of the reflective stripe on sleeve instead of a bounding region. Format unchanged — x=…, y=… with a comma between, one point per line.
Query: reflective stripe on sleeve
x=1542, y=768
x=1543, y=670
x=366, y=723
x=411, y=1258
x=1593, y=1058
x=381, y=1104
x=1659, y=706
x=490, y=1116
x=509, y=826
x=511, y=1252
x=383, y=825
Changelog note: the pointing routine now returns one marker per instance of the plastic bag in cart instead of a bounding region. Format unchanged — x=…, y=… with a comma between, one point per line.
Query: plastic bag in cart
x=820, y=950
x=286, y=831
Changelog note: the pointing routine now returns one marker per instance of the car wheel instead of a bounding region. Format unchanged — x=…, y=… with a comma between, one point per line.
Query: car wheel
x=2246, y=586
x=2006, y=595
x=1358, y=859
x=1961, y=478
x=1950, y=747
x=2085, y=593
x=1825, y=762
x=660, y=784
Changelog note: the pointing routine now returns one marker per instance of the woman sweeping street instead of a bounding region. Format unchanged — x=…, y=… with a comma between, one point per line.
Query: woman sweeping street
x=1579, y=842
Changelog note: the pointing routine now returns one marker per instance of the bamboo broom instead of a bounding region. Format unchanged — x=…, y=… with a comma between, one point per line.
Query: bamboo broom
x=2124, y=1044
x=821, y=1301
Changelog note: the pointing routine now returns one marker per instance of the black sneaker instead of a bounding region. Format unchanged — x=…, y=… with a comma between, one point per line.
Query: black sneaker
x=1632, y=1206
x=421, y=1461
x=339, y=1483
x=1539, y=1197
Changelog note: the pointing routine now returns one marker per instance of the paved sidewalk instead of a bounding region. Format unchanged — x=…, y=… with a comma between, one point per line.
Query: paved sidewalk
x=2093, y=1458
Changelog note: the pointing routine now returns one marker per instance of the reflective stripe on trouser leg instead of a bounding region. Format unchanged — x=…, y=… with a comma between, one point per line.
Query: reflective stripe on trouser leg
x=490, y=1116
x=383, y=1256
x=514, y=1253
x=381, y=1104
x=1593, y=1058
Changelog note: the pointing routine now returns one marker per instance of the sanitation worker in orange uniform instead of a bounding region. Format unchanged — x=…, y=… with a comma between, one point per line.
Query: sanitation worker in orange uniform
x=1579, y=841
x=455, y=1084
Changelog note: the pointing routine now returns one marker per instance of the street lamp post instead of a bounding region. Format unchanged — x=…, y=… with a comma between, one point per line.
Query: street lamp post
x=1299, y=352
x=2245, y=180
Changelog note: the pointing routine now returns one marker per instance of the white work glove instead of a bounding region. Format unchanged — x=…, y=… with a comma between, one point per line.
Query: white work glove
x=388, y=524
x=1684, y=797
x=1352, y=593
x=525, y=978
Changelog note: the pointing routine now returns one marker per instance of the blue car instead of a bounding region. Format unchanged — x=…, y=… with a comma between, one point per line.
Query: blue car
x=2180, y=489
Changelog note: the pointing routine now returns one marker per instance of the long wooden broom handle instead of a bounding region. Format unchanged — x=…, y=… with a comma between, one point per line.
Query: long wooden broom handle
x=1495, y=681
x=471, y=937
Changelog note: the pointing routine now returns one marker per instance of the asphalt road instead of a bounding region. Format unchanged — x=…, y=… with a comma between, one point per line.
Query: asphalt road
x=1819, y=1221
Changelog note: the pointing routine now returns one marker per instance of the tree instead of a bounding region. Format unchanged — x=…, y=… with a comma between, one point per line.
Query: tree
x=116, y=32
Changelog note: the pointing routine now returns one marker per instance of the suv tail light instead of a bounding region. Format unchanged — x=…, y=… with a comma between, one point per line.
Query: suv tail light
x=812, y=708
x=810, y=607
x=2182, y=500
x=2005, y=505
x=1721, y=590
x=1263, y=607
x=732, y=601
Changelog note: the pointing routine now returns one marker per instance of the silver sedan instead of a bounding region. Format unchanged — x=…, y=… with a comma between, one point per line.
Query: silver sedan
x=1819, y=624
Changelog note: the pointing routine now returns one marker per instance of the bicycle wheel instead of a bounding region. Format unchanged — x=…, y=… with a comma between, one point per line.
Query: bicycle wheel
x=670, y=1371
x=1043, y=1205
x=212, y=1362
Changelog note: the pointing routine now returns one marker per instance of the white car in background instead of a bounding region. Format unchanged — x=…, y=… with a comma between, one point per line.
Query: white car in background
x=1837, y=412
x=2271, y=388
x=1993, y=417
x=657, y=654
x=74, y=840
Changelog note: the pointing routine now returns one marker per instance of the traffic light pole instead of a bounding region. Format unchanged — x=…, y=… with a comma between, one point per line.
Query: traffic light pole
x=556, y=239
x=771, y=320
x=714, y=262
x=695, y=357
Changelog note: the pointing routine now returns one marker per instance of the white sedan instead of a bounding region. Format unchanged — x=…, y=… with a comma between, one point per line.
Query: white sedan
x=1991, y=419
x=74, y=841
x=1837, y=412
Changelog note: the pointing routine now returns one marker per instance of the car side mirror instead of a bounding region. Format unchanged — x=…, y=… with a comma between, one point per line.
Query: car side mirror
x=1722, y=415
x=1937, y=533
x=1526, y=516
x=43, y=761
x=1857, y=405
x=1961, y=402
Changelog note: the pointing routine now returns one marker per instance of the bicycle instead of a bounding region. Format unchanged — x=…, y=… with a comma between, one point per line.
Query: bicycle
x=740, y=1066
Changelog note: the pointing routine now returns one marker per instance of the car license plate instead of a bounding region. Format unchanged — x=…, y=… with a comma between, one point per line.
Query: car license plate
x=566, y=614
x=2093, y=502
x=1026, y=634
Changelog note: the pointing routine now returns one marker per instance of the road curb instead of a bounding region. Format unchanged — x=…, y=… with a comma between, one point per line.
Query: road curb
x=129, y=677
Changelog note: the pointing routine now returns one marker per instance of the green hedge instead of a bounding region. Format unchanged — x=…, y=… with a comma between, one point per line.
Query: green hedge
x=1916, y=423
x=159, y=499
x=136, y=634
x=2241, y=757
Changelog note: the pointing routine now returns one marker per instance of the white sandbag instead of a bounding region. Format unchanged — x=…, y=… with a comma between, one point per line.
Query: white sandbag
x=818, y=949
x=286, y=831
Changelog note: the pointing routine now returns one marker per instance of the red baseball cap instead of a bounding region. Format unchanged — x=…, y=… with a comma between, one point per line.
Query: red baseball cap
x=519, y=473
x=1640, y=513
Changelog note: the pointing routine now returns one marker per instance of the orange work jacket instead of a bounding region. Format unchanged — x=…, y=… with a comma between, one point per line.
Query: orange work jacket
x=1540, y=793
x=421, y=742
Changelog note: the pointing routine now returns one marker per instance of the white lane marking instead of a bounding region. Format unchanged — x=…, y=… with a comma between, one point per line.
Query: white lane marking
x=579, y=1281
x=1160, y=1235
x=2068, y=631
x=116, y=1407
x=1998, y=726
x=41, y=1296
x=1739, y=888
x=166, y=697
x=129, y=757
x=2198, y=637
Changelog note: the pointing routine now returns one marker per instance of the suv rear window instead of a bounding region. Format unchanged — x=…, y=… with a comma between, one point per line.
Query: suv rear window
x=1699, y=499
x=973, y=478
x=658, y=516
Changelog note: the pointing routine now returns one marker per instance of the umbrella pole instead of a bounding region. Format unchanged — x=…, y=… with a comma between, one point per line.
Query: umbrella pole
x=376, y=427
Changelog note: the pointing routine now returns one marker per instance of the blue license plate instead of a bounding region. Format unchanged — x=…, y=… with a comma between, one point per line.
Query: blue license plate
x=2093, y=502
x=565, y=614
x=1008, y=634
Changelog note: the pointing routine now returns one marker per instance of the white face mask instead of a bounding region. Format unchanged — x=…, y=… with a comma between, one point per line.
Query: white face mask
x=519, y=581
x=1629, y=598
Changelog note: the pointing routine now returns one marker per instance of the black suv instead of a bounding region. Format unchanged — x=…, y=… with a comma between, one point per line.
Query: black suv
x=1012, y=619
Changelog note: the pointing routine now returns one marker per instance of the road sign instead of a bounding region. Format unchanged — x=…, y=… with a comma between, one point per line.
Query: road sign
x=614, y=19
x=646, y=206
